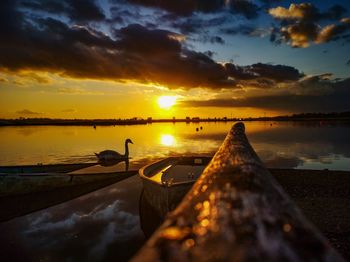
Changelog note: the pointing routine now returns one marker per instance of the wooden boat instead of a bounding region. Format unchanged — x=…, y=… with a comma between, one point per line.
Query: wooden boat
x=235, y=211
x=39, y=168
x=17, y=180
x=12, y=206
x=166, y=182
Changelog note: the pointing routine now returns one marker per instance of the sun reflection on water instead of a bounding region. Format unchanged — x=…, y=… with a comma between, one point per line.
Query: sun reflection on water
x=167, y=140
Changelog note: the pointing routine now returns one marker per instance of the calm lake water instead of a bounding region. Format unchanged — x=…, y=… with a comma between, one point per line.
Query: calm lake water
x=279, y=144
x=104, y=225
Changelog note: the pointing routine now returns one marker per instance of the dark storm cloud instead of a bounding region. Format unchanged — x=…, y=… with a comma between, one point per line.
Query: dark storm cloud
x=78, y=10
x=299, y=24
x=276, y=72
x=85, y=53
x=337, y=99
x=140, y=54
x=153, y=41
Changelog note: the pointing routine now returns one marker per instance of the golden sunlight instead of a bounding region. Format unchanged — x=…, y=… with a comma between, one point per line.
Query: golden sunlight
x=167, y=140
x=166, y=102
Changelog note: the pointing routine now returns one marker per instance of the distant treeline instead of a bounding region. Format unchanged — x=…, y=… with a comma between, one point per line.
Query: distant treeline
x=307, y=116
x=139, y=121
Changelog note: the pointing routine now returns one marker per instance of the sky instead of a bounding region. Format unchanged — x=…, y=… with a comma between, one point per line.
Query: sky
x=209, y=58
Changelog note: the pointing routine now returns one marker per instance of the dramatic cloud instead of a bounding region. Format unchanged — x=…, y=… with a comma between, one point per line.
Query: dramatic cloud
x=296, y=12
x=300, y=34
x=84, y=53
x=70, y=39
x=306, y=12
x=300, y=24
x=50, y=45
x=333, y=96
x=278, y=73
x=334, y=32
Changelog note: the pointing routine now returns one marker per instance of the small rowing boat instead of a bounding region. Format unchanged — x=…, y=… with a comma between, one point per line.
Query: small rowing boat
x=40, y=168
x=166, y=182
x=18, y=180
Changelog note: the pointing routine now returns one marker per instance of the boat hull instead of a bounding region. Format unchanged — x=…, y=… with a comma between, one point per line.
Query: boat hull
x=161, y=195
x=20, y=204
x=19, y=180
x=53, y=168
x=162, y=198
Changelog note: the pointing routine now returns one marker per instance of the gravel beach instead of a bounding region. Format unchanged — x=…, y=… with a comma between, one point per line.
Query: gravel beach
x=324, y=198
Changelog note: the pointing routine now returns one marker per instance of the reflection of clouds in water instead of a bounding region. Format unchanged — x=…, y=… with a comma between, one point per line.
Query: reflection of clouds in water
x=290, y=145
x=294, y=155
x=312, y=140
x=123, y=227
x=118, y=226
x=102, y=225
x=45, y=226
x=110, y=212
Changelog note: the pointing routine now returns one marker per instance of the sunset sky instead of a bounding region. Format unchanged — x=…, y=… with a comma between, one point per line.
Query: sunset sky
x=210, y=58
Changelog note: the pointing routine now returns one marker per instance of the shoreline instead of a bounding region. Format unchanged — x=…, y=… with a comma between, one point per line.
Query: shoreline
x=121, y=122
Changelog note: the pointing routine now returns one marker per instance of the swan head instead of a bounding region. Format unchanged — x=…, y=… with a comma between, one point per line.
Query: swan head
x=128, y=141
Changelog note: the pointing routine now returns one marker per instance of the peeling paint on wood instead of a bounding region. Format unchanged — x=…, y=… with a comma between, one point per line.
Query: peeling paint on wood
x=236, y=211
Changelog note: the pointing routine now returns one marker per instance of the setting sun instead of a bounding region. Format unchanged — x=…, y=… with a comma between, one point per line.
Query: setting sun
x=166, y=102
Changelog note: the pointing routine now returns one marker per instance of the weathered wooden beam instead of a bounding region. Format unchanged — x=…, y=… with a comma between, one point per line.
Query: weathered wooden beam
x=236, y=211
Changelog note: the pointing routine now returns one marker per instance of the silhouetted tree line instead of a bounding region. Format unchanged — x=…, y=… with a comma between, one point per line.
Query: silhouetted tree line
x=137, y=121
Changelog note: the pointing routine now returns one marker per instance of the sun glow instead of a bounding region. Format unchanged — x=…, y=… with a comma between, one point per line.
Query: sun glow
x=166, y=102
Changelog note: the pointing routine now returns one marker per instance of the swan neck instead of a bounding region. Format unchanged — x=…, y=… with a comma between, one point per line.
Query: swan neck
x=126, y=149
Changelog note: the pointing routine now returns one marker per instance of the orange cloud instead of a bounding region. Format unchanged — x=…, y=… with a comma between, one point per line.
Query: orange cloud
x=294, y=11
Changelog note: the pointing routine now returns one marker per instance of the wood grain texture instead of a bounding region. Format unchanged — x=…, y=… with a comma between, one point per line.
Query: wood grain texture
x=236, y=211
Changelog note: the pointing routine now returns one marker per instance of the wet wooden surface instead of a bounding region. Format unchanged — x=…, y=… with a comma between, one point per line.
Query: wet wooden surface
x=236, y=211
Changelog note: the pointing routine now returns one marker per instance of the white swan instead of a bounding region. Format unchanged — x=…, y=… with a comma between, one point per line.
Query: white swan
x=108, y=155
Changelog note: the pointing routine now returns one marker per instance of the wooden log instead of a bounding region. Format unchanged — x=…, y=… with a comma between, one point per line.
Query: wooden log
x=236, y=211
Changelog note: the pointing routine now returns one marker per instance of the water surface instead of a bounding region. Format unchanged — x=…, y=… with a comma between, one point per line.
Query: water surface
x=104, y=225
x=280, y=144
